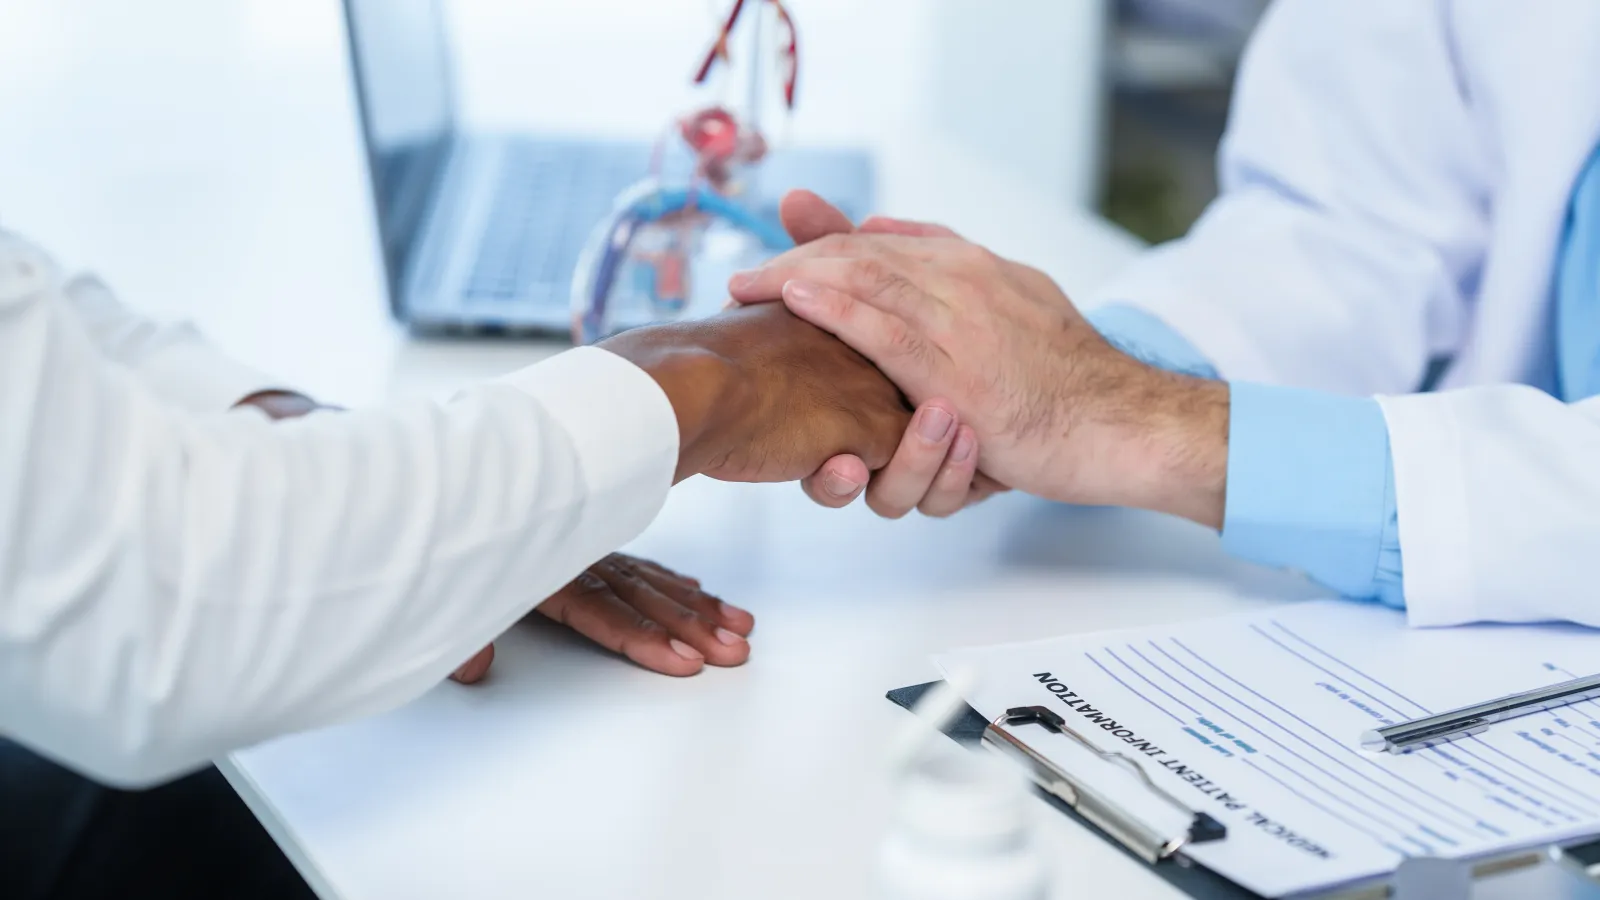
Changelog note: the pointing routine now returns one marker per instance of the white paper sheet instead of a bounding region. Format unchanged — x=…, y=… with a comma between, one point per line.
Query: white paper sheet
x=1257, y=720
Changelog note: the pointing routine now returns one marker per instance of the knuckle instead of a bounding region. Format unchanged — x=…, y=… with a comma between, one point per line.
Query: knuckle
x=619, y=570
x=589, y=584
x=832, y=244
x=945, y=498
x=971, y=259
x=641, y=634
x=870, y=277
x=907, y=471
x=897, y=335
x=977, y=260
x=876, y=279
x=887, y=509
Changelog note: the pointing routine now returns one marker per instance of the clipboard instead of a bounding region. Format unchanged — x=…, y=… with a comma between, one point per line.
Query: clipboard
x=1418, y=878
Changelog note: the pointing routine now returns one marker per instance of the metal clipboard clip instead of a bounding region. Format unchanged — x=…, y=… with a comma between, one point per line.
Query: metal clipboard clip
x=1417, y=878
x=1129, y=830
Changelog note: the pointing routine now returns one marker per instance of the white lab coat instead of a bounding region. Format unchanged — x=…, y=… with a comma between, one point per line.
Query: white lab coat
x=1396, y=175
x=177, y=580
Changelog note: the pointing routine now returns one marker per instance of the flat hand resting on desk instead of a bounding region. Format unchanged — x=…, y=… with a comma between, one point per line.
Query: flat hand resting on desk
x=646, y=612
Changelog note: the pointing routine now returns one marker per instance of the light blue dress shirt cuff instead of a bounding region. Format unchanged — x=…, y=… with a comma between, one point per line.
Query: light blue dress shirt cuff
x=1311, y=487
x=1310, y=477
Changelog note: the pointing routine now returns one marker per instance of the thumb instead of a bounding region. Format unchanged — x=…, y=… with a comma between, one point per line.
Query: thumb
x=838, y=482
x=807, y=217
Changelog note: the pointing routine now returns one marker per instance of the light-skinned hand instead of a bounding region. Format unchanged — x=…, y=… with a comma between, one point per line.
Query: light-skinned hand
x=934, y=469
x=1057, y=410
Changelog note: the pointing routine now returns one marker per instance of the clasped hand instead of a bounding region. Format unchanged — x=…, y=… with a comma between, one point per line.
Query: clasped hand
x=1055, y=409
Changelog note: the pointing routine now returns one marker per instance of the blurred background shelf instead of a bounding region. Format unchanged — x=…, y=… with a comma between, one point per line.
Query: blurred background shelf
x=1169, y=73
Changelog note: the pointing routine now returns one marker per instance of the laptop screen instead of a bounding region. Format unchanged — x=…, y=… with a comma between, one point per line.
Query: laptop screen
x=400, y=56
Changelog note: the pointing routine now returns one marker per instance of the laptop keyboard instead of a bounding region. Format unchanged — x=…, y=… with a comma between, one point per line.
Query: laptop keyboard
x=549, y=198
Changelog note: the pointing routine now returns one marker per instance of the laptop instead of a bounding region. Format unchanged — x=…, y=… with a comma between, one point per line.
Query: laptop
x=480, y=231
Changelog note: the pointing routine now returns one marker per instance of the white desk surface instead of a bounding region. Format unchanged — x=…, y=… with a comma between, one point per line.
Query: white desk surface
x=204, y=157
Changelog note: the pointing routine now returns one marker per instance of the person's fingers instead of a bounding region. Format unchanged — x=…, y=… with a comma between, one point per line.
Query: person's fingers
x=951, y=490
x=900, y=486
x=808, y=217
x=720, y=646
x=883, y=338
x=473, y=670
x=907, y=227
x=984, y=487
x=691, y=596
x=590, y=607
x=839, y=481
x=760, y=285
x=875, y=281
x=659, y=569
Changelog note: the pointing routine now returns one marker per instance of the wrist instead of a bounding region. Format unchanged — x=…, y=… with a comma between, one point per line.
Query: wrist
x=701, y=386
x=1173, y=456
x=1194, y=469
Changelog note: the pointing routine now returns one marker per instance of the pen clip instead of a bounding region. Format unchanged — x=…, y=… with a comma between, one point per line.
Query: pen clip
x=1130, y=831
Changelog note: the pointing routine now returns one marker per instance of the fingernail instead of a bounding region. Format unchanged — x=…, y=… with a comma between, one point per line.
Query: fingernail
x=838, y=485
x=686, y=651
x=933, y=424
x=799, y=291
x=743, y=279
x=728, y=637
x=963, y=448
x=728, y=609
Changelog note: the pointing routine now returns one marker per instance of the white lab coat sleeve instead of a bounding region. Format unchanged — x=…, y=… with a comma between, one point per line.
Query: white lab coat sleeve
x=175, y=586
x=1499, y=504
x=1352, y=214
x=172, y=358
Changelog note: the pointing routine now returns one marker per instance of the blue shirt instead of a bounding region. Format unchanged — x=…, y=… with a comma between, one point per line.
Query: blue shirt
x=1310, y=478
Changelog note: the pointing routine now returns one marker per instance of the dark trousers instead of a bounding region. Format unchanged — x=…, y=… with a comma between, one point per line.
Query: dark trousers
x=63, y=837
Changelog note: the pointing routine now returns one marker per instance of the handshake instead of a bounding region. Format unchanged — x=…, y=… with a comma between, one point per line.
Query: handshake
x=1011, y=386
x=873, y=319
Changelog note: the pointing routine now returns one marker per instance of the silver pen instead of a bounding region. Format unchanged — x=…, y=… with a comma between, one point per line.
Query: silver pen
x=1476, y=719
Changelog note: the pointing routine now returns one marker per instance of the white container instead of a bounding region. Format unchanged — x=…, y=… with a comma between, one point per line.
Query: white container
x=962, y=831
